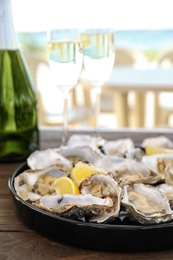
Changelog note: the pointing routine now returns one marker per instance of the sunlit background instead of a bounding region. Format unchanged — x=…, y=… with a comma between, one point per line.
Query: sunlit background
x=31, y=15
x=142, y=27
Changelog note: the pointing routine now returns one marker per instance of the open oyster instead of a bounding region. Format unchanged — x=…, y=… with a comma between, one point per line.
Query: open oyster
x=167, y=190
x=32, y=185
x=127, y=171
x=103, y=186
x=81, y=207
x=161, y=164
x=146, y=204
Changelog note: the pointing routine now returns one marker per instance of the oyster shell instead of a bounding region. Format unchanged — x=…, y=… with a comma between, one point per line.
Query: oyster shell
x=83, y=140
x=87, y=153
x=82, y=148
x=78, y=206
x=32, y=185
x=43, y=159
x=146, y=204
x=136, y=153
x=118, y=147
x=103, y=186
x=158, y=141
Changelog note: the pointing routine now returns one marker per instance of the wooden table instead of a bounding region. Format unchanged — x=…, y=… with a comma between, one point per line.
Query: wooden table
x=17, y=242
x=141, y=81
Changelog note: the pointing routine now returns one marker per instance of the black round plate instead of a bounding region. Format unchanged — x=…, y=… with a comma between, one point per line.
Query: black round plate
x=120, y=235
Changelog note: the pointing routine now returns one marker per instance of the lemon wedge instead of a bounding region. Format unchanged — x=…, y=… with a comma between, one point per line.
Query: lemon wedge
x=150, y=150
x=65, y=185
x=83, y=170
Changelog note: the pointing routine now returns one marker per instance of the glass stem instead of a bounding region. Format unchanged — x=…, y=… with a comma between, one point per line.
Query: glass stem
x=65, y=118
x=98, y=91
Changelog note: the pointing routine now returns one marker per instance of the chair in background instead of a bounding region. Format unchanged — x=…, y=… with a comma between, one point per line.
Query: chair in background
x=164, y=100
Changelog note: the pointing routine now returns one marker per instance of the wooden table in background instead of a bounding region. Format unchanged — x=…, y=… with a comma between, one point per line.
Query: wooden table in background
x=17, y=242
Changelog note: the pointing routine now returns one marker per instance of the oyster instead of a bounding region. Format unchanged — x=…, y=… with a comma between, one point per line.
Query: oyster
x=167, y=190
x=127, y=171
x=32, y=185
x=136, y=154
x=43, y=159
x=103, y=186
x=83, y=140
x=146, y=204
x=161, y=164
x=168, y=172
x=158, y=141
x=81, y=207
x=87, y=153
x=118, y=147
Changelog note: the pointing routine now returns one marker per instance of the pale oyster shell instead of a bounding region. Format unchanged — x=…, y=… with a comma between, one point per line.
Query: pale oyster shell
x=135, y=154
x=89, y=153
x=83, y=140
x=103, y=186
x=43, y=159
x=158, y=141
x=118, y=147
x=146, y=204
x=78, y=206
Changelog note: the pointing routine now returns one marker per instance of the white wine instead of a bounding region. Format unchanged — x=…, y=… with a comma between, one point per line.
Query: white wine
x=19, y=134
x=99, y=55
x=65, y=61
x=97, y=45
x=63, y=51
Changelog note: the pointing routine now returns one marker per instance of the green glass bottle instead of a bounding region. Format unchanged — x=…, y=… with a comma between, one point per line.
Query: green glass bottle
x=19, y=135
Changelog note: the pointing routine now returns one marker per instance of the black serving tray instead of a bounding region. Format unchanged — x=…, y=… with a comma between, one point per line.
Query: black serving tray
x=120, y=235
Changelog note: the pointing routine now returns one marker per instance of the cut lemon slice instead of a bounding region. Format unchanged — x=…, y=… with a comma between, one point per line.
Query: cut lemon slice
x=150, y=150
x=64, y=185
x=83, y=170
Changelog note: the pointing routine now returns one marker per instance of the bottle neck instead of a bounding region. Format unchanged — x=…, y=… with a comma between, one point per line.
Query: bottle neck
x=8, y=39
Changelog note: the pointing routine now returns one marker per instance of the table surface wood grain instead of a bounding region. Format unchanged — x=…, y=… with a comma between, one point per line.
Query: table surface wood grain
x=17, y=242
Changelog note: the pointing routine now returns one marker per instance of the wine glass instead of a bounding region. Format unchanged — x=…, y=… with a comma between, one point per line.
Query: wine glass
x=65, y=63
x=98, y=60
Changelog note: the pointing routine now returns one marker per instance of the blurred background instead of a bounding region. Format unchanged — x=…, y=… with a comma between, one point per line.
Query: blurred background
x=143, y=33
